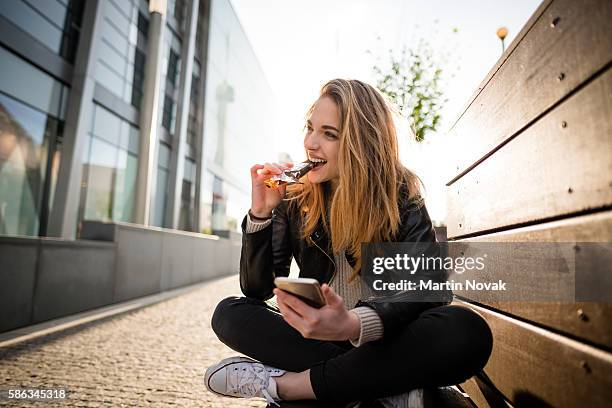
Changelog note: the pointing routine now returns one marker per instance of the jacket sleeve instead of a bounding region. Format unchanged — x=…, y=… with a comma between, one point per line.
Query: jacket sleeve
x=399, y=309
x=265, y=254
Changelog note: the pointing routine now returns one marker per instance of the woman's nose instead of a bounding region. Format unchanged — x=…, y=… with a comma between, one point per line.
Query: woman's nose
x=310, y=142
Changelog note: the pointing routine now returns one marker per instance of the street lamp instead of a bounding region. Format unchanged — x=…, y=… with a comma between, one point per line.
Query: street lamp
x=501, y=34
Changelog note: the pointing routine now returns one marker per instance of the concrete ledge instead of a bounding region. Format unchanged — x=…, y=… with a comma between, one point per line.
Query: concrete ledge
x=72, y=277
x=47, y=278
x=151, y=259
x=43, y=278
x=18, y=260
x=138, y=267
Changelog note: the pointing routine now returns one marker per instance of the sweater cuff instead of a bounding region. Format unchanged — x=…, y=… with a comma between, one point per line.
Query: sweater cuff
x=371, y=325
x=254, y=226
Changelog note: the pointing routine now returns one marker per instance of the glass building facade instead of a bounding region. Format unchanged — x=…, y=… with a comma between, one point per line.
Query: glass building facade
x=90, y=89
x=237, y=104
x=55, y=24
x=110, y=162
x=32, y=113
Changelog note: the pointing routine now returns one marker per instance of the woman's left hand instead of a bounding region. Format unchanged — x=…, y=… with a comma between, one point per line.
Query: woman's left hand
x=332, y=322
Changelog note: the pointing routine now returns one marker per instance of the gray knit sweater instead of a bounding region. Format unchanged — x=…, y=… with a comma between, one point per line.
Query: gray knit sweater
x=371, y=324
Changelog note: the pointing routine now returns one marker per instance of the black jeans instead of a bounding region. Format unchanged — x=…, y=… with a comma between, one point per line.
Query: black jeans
x=444, y=346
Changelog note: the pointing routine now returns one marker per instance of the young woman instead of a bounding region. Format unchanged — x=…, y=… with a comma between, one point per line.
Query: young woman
x=378, y=350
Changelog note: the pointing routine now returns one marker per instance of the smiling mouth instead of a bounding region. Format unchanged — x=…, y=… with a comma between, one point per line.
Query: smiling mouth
x=318, y=162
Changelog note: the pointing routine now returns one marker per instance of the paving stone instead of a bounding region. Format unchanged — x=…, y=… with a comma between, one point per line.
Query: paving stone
x=155, y=356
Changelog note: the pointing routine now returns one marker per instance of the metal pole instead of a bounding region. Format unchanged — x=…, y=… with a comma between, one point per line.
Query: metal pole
x=502, y=32
x=148, y=116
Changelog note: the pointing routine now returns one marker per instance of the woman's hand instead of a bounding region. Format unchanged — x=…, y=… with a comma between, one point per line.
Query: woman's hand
x=331, y=322
x=263, y=198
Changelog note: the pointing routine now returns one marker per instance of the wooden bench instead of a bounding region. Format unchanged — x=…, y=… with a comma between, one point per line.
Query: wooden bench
x=442, y=397
x=534, y=164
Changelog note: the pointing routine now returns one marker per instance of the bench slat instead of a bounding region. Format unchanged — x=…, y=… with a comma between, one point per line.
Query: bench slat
x=528, y=84
x=547, y=171
x=586, y=320
x=482, y=395
x=531, y=366
x=518, y=39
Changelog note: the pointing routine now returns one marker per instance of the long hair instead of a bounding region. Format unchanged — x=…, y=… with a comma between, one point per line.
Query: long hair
x=364, y=206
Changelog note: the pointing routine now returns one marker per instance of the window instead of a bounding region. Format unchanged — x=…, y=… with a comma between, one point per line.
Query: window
x=143, y=25
x=125, y=186
x=179, y=13
x=167, y=114
x=72, y=29
x=195, y=88
x=192, y=129
x=31, y=85
x=32, y=108
x=100, y=180
x=138, y=83
x=193, y=123
x=161, y=190
x=186, y=220
x=54, y=24
x=109, y=169
x=173, y=68
x=28, y=161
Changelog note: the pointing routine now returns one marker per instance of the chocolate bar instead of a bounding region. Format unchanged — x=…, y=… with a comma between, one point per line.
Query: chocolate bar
x=292, y=175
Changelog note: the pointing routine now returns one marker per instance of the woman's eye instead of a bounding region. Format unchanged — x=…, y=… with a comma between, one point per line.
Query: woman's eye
x=330, y=135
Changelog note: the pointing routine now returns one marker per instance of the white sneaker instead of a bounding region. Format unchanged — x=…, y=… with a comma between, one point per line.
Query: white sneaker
x=243, y=377
x=412, y=399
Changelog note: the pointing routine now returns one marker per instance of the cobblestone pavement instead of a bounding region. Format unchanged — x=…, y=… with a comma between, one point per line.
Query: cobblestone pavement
x=154, y=356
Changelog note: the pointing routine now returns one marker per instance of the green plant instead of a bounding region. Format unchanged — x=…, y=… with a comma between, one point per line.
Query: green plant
x=413, y=82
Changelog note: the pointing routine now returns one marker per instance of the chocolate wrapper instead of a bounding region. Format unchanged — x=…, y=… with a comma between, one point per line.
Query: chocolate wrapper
x=291, y=176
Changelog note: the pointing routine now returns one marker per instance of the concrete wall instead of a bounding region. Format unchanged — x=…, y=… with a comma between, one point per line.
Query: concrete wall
x=46, y=278
x=41, y=279
x=150, y=260
x=18, y=260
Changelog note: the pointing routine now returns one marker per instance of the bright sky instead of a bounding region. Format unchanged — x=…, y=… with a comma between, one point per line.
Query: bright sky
x=302, y=44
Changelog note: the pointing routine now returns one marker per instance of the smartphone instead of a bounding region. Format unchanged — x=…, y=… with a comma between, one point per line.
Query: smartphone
x=307, y=289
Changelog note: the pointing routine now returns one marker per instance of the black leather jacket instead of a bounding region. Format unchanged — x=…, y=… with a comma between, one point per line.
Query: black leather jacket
x=267, y=253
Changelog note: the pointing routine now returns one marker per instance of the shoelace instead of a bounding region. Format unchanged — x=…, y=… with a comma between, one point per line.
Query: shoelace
x=249, y=379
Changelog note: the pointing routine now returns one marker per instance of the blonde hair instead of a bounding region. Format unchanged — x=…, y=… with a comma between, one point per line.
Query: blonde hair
x=364, y=206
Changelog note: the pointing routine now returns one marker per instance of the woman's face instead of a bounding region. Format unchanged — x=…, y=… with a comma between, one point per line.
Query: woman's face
x=322, y=140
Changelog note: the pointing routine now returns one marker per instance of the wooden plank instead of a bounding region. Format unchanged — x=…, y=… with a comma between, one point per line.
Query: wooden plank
x=531, y=366
x=595, y=227
x=569, y=42
x=482, y=394
x=518, y=39
x=560, y=165
x=586, y=320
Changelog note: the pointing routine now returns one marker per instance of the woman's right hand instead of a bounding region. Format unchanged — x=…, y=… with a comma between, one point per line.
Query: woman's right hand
x=263, y=198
